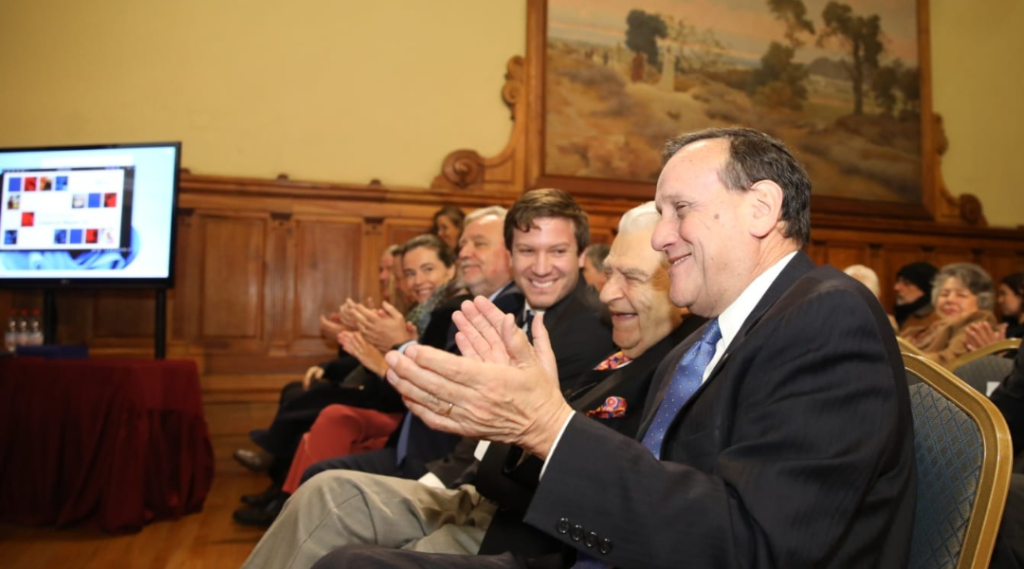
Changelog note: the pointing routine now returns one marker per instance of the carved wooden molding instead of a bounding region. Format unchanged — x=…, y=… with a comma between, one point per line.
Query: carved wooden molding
x=952, y=209
x=466, y=170
x=511, y=172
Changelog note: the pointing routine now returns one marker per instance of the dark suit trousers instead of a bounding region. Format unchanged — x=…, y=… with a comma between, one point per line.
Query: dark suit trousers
x=359, y=556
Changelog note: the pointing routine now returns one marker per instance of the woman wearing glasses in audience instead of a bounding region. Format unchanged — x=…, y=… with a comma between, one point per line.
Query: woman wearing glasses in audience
x=963, y=295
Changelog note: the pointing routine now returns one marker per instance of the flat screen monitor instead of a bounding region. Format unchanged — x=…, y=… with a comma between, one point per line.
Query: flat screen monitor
x=89, y=216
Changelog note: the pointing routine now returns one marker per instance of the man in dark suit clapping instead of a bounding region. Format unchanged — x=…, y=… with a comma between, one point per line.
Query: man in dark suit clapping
x=645, y=327
x=779, y=435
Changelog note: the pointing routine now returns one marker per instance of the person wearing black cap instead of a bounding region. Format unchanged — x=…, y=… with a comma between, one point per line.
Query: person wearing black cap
x=913, y=288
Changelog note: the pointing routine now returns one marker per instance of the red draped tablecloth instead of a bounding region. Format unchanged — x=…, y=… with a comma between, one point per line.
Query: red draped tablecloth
x=115, y=442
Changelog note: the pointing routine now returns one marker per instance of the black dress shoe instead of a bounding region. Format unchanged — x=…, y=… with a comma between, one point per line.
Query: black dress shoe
x=256, y=461
x=263, y=498
x=252, y=516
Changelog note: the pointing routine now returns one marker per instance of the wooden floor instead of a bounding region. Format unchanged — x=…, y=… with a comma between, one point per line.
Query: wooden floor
x=205, y=540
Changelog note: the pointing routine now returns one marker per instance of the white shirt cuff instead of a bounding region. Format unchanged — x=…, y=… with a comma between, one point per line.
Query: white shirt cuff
x=431, y=480
x=555, y=446
x=481, y=449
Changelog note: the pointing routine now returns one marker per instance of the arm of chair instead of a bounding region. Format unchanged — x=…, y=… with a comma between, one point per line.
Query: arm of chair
x=908, y=348
x=1009, y=344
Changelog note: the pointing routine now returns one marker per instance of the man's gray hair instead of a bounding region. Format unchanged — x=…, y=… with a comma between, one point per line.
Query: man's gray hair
x=494, y=210
x=643, y=217
x=639, y=218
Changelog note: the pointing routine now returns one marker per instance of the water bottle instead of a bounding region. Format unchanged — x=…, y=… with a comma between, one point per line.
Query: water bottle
x=35, y=329
x=21, y=338
x=11, y=333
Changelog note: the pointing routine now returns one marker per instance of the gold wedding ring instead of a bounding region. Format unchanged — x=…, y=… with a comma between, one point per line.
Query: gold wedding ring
x=448, y=411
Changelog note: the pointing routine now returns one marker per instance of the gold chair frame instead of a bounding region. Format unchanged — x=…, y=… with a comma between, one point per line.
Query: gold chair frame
x=908, y=348
x=997, y=459
x=994, y=348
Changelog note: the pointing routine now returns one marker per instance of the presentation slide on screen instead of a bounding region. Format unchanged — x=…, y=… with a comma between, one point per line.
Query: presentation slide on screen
x=87, y=213
x=65, y=210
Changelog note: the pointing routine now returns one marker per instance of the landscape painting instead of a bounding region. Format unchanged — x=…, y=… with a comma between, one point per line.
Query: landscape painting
x=838, y=81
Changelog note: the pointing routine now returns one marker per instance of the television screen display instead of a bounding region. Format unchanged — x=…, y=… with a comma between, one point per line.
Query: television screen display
x=88, y=216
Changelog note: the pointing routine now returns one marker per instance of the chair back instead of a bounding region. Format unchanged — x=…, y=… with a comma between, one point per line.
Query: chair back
x=907, y=348
x=985, y=373
x=964, y=457
x=1000, y=347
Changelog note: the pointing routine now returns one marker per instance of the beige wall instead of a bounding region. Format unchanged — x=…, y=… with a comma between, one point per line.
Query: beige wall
x=350, y=91
x=979, y=90
x=320, y=89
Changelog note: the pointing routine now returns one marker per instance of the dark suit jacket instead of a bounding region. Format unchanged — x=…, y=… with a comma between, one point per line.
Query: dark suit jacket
x=511, y=487
x=1009, y=398
x=796, y=452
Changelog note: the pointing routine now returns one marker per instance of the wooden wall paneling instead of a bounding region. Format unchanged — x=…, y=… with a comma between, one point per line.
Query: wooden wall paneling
x=8, y=302
x=124, y=319
x=279, y=283
x=946, y=254
x=817, y=250
x=231, y=298
x=398, y=231
x=75, y=316
x=374, y=245
x=251, y=258
x=842, y=254
x=330, y=256
x=604, y=227
x=1001, y=263
x=26, y=299
x=182, y=316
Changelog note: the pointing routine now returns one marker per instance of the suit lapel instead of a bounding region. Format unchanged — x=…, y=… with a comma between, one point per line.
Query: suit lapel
x=796, y=268
x=692, y=329
x=508, y=299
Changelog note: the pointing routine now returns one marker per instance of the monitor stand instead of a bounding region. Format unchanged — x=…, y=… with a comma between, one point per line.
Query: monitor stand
x=160, y=326
x=49, y=317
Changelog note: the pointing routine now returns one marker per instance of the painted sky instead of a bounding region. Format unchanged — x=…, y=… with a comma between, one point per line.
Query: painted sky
x=746, y=27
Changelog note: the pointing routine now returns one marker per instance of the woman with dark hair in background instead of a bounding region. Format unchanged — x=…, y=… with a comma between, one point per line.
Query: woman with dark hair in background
x=448, y=225
x=1010, y=297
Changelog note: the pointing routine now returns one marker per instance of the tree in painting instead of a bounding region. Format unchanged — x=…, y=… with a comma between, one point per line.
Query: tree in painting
x=838, y=81
x=861, y=36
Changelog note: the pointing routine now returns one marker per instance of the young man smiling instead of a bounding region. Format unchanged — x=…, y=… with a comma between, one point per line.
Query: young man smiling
x=547, y=232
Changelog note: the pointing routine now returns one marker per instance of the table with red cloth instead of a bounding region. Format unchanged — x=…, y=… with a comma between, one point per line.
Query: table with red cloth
x=117, y=443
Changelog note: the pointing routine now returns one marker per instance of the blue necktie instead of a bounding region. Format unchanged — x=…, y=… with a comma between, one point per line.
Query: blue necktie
x=688, y=377
x=402, y=448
